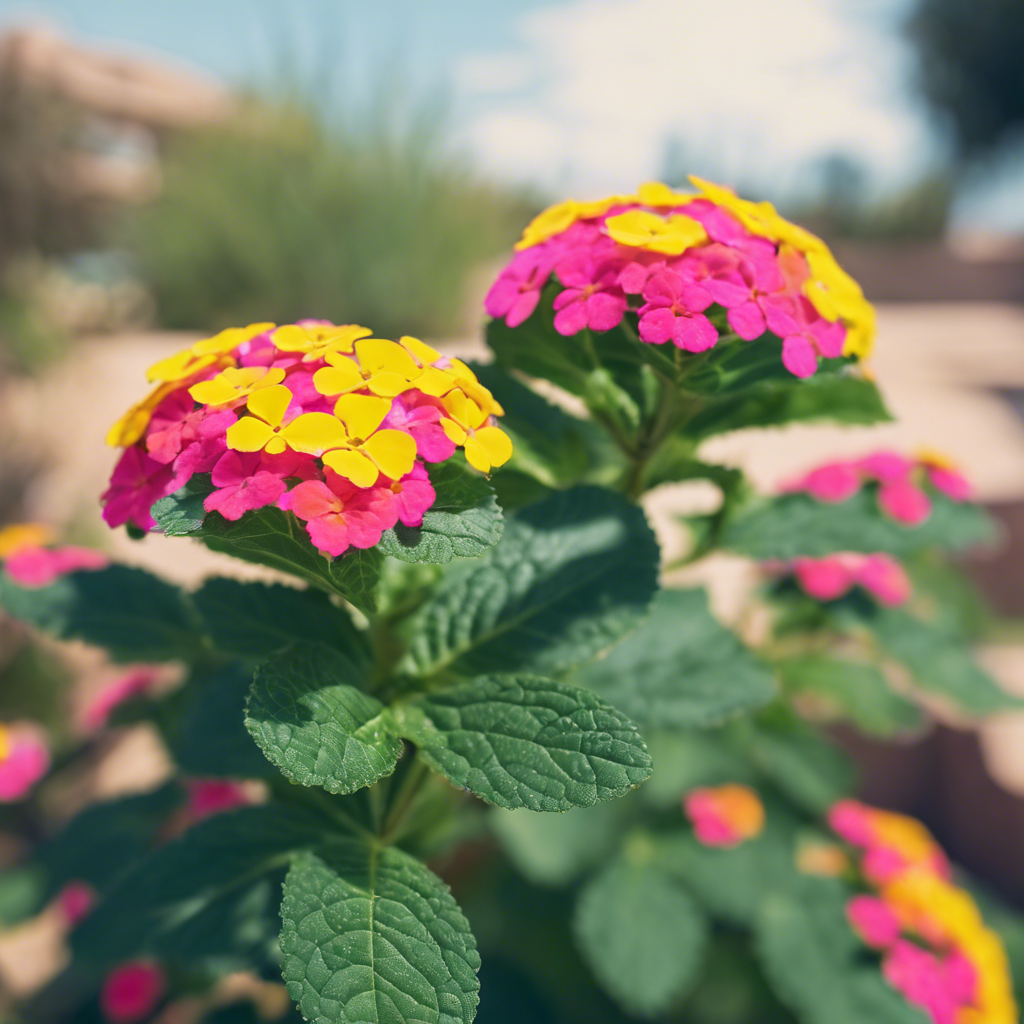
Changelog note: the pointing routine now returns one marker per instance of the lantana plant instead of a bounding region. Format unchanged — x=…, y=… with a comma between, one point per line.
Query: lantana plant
x=467, y=732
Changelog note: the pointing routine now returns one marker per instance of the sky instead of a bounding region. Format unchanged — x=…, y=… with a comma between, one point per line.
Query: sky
x=582, y=97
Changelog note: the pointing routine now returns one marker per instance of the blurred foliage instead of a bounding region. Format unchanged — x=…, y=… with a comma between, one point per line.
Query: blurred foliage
x=283, y=215
x=970, y=68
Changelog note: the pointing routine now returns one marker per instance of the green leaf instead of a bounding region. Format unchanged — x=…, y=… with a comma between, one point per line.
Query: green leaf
x=308, y=716
x=463, y=522
x=22, y=894
x=569, y=577
x=133, y=614
x=941, y=662
x=858, y=691
x=680, y=668
x=686, y=759
x=641, y=935
x=796, y=525
x=371, y=936
x=253, y=620
x=182, y=512
x=814, y=961
x=271, y=536
x=523, y=741
x=176, y=882
x=553, y=849
x=673, y=462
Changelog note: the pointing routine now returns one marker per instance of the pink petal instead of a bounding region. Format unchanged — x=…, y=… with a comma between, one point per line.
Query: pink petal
x=747, y=321
x=824, y=579
x=799, y=357
x=132, y=992
x=310, y=499
x=604, y=311
x=657, y=326
x=694, y=333
x=873, y=920
x=904, y=502
x=833, y=482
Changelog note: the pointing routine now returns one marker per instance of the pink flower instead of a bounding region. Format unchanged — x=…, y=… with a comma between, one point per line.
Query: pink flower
x=419, y=415
x=884, y=577
x=882, y=864
x=805, y=335
x=673, y=311
x=338, y=515
x=516, y=293
x=826, y=579
x=873, y=920
x=919, y=976
x=24, y=763
x=834, y=482
x=851, y=820
x=724, y=815
x=132, y=992
x=413, y=495
x=177, y=424
x=133, y=683
x=74, y=901
x=39, y=567
x=953, y=484
x=136, y=483
x=886, y=466
x=591, y=297
x=242, y=485
x=207, y=797
x=905, y=502
x=961, y=978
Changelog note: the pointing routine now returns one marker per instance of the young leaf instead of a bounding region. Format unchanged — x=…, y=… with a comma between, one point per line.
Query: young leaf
x=308, y=716
x=179, y=880
x=463, y=522
x=569, y=577
x=133, y=614
x=253, y=620
x=371, y=936
x=680, y=668
x=860, y=691
x=796, y=525
x=641, y=935
x=524, y=741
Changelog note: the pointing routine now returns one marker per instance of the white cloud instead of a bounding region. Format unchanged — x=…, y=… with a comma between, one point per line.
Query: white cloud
x=752, y=90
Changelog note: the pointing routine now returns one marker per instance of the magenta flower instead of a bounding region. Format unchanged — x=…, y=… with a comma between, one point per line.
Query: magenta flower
x=134, y=683
x=74, y=901
x=207, y=797
x=591, y=298
x=805, y=335
x=873, y=920
x=137, y=482
x=904, y=501
x=886, y=466
x=132, y=992
x=833, y=482
x=419, y=415
x=516, y=293
x=32, y=566
x=413, y=495
x=177, y=424
x=825, y=579
x=884, y=577
x=953, y=484
x=919, y=975
x=24, y=762
x=242, y=486
x=674, y=311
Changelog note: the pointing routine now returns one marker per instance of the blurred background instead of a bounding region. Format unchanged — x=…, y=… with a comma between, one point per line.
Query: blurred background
x=170, y=169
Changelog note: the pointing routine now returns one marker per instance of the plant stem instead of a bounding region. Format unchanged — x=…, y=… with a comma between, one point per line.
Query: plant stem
x=404, y=799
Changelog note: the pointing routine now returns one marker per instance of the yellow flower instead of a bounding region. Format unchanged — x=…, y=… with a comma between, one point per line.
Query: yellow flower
x=384, y=367
x=132, y=425
x=183, y=365
x=262, y=431
x=555, y=219
x=654, y=193
x=228, y=340
x=5, y=742
x=316, y=340
x=645, y=230
x=24, y=535
x=486, y=447
x=351, y=443
x=232, y=384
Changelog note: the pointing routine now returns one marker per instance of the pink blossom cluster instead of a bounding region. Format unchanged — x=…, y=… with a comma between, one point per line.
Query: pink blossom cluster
x=37, y=566
x=24, y=760
x=831, y=577
x=135, y=682
x=171, y=436
x=757, y=282
x=724, y=815
x=900, y=481
x=132, y=991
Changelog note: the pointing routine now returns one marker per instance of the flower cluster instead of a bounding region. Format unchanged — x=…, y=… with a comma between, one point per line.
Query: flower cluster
x=669, y=257
x=724, y=815
x=935, y=946
x=831, y=577
x=132, y=991
x=24, y=760
x=900, y=481
x=321, y=420
x=31, y=563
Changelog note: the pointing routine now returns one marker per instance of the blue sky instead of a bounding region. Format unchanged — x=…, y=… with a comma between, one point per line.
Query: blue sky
x=581, y=96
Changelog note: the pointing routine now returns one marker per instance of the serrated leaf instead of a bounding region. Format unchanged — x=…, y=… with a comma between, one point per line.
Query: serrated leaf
x=183, y=512
x=371, y=936
x=253, y=620
x=553, y=849
x=133, y=614
x=181, y=879
x=273, y=537
x=524, y=741
x=680, y=667
x=796, y=525
x=568, y=578
x=812, y=959
x=641, y=934
x=309, y=718
x=941, y=662
x=463, y=522
x=858, y=691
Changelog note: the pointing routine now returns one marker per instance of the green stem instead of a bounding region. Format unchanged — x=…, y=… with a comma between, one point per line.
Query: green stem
x=404, y=800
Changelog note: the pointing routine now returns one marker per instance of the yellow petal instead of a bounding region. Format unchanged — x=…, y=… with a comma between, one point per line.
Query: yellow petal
x=393, y=450
x=496, y=443
x=341, y=376
x=5, y=742
x=379, y=355
x=352, y=465
x=229, y=339
x=453, y=431
x=270, y=404
x=341, y=336
x=24, y=535
x=315, y=432
x=132, y=425
x=464, y=410
x=421, y=352
x=552, y=221
x=654, y=193
x=179, y=366
x=291, y=339
x=361, y=414
x=388, y=385
x=461, y=370
x=213, y=392
x=435, y=382
x=249, y=434
x=476, y=455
